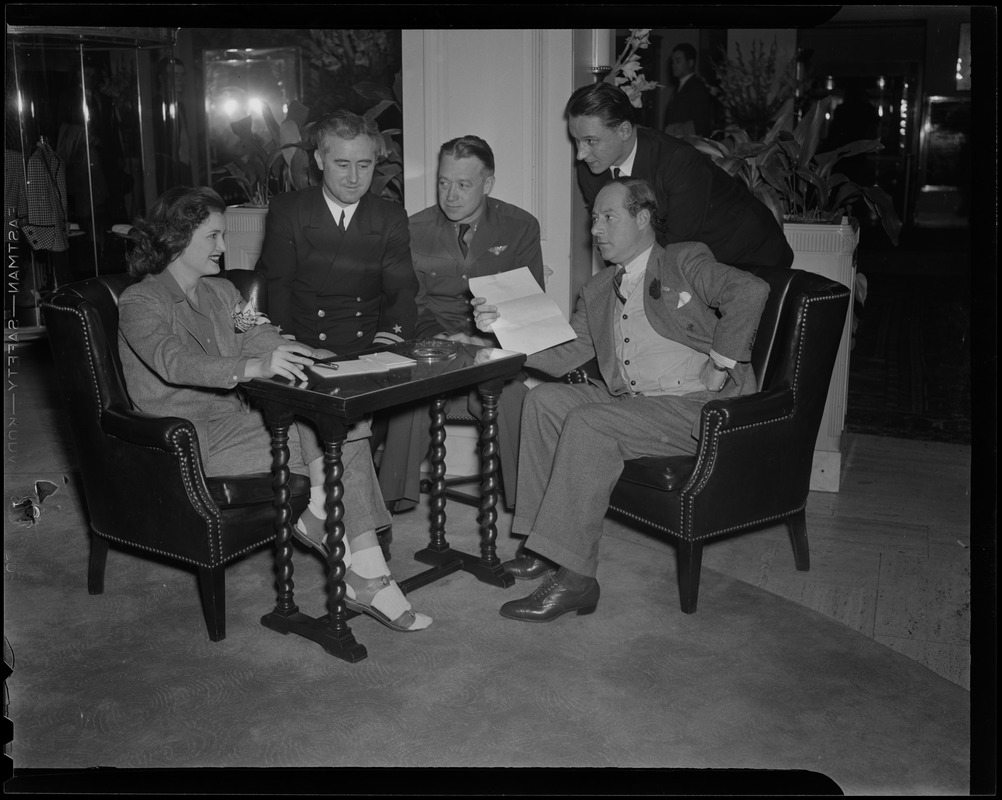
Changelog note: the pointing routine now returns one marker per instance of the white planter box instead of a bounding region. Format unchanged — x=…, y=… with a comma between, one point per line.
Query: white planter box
x=829, y=250
x=244, y=236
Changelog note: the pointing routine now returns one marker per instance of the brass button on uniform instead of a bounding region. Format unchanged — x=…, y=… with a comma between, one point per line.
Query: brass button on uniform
x=358, y=335
x=323, y=337
x=320, y=313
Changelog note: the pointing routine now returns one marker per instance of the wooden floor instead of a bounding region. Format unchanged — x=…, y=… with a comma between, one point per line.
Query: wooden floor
x=890, y=553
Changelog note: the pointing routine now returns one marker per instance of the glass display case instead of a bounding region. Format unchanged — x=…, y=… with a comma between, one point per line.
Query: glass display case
x=78, y=153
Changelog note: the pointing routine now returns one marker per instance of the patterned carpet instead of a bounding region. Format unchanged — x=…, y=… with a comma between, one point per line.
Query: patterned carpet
x=910, y=369
x=128, y=679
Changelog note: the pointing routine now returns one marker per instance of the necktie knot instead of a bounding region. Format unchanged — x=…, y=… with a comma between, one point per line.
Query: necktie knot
x=616, y=173
x=463, y=246
x=340, y=223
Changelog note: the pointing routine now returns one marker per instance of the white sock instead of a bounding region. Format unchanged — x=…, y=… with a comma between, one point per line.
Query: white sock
x=369, y=563
x=318, y=501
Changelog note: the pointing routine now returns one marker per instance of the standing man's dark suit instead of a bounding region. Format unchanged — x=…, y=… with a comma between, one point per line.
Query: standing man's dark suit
x=699, y=202
x=344, y=292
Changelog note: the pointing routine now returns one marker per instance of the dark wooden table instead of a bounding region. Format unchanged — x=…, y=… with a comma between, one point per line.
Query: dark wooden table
x=334, y=404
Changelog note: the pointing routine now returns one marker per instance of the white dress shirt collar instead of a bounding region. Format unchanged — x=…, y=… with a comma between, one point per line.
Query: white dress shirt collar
x=635, y=269
x=337, y=211
x=626, y=168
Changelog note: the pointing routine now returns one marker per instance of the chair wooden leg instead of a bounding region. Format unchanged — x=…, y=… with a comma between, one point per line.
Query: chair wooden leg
x=97, y=563
x=690, y=559
x=212, y=587
x=797, y=525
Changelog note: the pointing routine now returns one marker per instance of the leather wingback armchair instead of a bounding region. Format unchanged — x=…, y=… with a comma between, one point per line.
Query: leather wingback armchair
x=753, y=467
x=142, y=475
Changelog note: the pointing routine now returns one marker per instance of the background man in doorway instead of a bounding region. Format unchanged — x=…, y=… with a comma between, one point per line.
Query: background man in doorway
x=690, y=112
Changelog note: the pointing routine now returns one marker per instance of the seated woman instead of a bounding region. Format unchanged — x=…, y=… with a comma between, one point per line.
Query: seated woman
x=184, y=354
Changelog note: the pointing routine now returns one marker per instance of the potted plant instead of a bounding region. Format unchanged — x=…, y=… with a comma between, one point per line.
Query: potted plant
x=752, y=92
x=280, y=164
x=814, y=204
x=800, y=185
x=628, y=73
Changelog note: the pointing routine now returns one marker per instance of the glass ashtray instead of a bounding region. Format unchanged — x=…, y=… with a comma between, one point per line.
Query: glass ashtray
x=433, y=350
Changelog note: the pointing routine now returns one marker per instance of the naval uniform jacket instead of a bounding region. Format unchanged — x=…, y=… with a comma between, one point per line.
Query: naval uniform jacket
x=699, y=202
x=340, y=292
x=506, y=238
x=688, y=298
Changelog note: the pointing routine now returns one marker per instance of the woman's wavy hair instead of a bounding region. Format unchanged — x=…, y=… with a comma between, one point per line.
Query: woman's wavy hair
x=167, y=230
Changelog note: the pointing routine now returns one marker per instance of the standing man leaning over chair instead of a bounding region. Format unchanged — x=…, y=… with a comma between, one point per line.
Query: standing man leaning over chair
x=690, y=112
x=671, y=329
x=467, y=234
x=337, y=258
x=700, y=202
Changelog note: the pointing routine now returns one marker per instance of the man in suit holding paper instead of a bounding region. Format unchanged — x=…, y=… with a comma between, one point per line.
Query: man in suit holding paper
x=671, y=329
x=467, y=234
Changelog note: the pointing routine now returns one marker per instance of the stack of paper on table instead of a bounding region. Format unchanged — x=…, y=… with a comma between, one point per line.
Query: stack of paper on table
x=368, y=363
x=530, y=321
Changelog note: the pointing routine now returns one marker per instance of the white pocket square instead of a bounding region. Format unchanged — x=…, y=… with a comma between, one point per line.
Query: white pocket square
x=683, y=298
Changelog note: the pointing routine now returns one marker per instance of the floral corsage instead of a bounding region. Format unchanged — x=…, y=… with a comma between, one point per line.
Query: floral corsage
x=246, y=316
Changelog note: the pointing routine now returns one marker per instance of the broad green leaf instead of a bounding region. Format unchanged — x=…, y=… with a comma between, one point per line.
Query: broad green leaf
x=271, y=122
x=375, y=91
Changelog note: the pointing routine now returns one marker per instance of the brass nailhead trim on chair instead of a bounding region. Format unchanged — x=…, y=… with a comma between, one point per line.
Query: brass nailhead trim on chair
x=709, y=455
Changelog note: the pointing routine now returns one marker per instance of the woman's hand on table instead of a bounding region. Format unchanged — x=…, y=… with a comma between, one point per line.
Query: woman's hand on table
x=286, y=361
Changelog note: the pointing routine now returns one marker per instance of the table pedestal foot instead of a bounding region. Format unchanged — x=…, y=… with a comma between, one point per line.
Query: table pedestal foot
x=483, y=571
x=319, y=630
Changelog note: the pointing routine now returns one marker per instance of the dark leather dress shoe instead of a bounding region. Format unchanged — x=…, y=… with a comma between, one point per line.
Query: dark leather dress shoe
x=552, y=599
x=527, y=567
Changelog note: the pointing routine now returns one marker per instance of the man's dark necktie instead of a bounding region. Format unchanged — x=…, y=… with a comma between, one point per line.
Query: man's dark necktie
x=340, y=223
x=617, y=282
x=463, y=228
x=615, y=173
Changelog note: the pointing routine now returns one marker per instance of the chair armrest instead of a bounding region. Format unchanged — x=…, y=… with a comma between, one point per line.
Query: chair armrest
x=731, y=413
x=146, y=430
x=750, y=453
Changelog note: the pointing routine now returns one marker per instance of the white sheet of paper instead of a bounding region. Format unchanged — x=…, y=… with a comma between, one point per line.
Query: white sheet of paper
x=368, y=363
x=530, y=321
